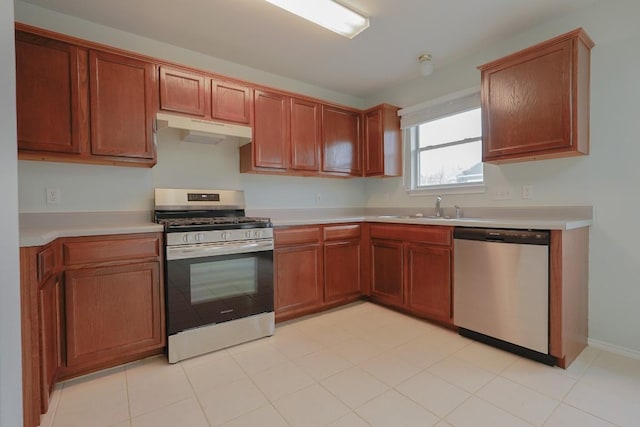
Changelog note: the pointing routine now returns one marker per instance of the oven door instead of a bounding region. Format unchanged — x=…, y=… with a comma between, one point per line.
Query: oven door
x=204, y=289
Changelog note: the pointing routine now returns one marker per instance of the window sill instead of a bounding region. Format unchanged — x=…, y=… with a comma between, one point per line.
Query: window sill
x=448, y=189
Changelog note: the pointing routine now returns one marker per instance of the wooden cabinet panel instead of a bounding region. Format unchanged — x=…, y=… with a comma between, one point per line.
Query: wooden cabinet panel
x=429, y=281
x=50, y=337
x=298, y=278
x=51, y=95
x=342, y=232
x=535, y=102
x=85, y=250
x=271, y=130
x=305, y=135
x=112, y=312
x=341, y=141
x=47, y=262
x=230, y=102
x=296, y=235
x=183, y=92
x=432, y=234
x=341, y=270
x=387, y=264
x=382, y=142
x=122, y=106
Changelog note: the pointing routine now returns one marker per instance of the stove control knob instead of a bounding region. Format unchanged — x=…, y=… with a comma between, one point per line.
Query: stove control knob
x=248, y=234
x=185, y=238
x=224, y=235
x=199, y=237
x=257, y=234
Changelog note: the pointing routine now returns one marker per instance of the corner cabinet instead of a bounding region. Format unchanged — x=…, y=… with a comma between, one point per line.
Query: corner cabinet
x=78, y=103
x=382, y=141
x=535, y=103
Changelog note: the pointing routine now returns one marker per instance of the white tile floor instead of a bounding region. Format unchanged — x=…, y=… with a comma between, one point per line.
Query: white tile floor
x=361, y=365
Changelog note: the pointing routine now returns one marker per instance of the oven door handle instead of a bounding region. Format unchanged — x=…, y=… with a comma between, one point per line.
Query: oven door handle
x=216, y=249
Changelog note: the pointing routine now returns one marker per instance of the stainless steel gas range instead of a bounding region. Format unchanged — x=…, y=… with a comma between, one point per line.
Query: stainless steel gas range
x=218, y=272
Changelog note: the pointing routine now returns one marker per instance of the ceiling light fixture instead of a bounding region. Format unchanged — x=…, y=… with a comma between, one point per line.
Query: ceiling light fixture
x=424, y=64
x=327, y=13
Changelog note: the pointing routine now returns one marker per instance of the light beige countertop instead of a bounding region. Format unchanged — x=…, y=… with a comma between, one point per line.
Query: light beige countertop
x=540, y=218
x=37, y=229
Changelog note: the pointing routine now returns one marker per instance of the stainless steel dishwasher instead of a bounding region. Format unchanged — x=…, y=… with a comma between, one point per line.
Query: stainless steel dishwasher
x=501, y=289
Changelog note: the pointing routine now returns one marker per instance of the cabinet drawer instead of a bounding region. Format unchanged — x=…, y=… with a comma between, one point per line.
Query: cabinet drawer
x=342, y=232
x=46, y=263
x=109, y=249
x=430, y=234
x=296, y=235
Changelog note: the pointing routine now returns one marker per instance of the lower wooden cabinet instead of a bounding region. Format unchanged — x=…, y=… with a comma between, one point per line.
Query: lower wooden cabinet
x=49, y=300
x=111, y=313
x=429, y=281
x=411, y=269
x=297, y=271
x=342, y=263
x=87, y=303
x=316, y=267
x=387, y=271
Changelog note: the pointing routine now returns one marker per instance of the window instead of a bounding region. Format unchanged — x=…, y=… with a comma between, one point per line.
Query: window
x=443, y=142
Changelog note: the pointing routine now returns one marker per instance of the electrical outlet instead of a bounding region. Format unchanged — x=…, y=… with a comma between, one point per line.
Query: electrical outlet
x=527, y=192
x=53, y=195
x=502, y=193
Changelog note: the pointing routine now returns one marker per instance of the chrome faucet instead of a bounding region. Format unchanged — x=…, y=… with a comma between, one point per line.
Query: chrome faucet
x=438, y=210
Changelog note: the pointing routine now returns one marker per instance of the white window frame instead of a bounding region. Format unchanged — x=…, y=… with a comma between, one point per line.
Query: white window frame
x=411, y=117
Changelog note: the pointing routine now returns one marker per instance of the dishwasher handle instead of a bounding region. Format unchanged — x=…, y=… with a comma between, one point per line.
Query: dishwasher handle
x=501, y=235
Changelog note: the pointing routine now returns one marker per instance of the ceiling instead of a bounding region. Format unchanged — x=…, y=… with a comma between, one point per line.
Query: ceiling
x=257, y=34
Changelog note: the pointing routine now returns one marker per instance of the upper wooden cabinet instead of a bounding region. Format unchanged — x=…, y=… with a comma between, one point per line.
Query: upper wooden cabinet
x=382, y=142
x=51, y=94
x=183, y=92
x=305, y=135
x=122, y=106
x=230, y=102
x=271, y=130
x=77, y=103
x=341, y=141
x=535, y=103
x=200, y=95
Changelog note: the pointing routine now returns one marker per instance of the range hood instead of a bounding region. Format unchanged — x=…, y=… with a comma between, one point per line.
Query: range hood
x=204, y=131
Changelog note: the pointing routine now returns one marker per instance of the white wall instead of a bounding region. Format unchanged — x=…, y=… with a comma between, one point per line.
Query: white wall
x=10, y=354
x=606, y=179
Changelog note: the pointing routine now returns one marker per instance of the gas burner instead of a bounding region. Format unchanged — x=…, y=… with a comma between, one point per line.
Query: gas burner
x=213, y=223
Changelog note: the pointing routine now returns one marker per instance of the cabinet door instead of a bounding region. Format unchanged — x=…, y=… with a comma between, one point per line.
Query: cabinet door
x=305, y=135
x=230, y=102
x=341, y=270
x=51, y=95
x=271, y=130
x=340, y=141
x=298, y=277
x=382, y=142
x=112, y=313
x=122, y=106
x=535, y=103
x=50, y=337
x=429, y=281
x=387, y=271
x=183, y=92
x=373, y=148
